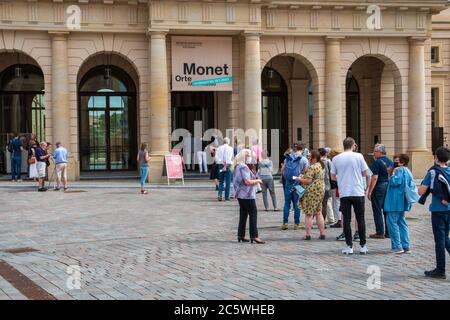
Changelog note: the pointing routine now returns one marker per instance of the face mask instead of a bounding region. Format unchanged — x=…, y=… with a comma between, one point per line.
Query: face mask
x=248, y=161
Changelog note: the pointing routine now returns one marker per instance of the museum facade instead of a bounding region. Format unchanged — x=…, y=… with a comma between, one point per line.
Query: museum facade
x=104, y=76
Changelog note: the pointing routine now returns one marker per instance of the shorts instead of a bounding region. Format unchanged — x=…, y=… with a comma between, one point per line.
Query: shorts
x=61, y=171
x=41, y=168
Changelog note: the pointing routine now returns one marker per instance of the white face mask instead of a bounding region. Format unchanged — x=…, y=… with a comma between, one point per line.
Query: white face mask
x=248, y=160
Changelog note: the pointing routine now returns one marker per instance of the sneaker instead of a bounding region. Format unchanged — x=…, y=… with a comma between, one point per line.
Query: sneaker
x=284, y=226
x=42, y=189
x=397, y=251
x=56, y=189
x=341, y=237
x=276, y=209
x=299, y=226
x=376, y=236
x=347, y=250
x=363, y=250
x=219, y=199
x=336, y=225
x=407, y=251
x=435, y=274
x=356, y=236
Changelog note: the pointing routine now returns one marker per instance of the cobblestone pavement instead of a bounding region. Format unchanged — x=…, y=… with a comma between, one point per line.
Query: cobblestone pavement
x=180, y=243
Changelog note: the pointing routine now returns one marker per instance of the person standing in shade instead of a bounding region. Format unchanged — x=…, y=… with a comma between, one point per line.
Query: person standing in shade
x=396, y=203
x=41, y=164
x=201, y=156
x=60, y=156
x=143, y=159
x=327, y=207
x=295, y=165
x=439, y=207
x=265, y=173
x=349, y=170
x=244, y=184
x=312, y=200
x=15, y=147
x=225, y=160
x=381, y=169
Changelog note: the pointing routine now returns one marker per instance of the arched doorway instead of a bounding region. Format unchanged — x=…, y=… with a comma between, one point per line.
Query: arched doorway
x=353, y=114
x=107, y=109
x=275, y=109
x=22, y=106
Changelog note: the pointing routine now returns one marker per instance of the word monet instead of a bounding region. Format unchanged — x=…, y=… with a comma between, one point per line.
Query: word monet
x=192, y=69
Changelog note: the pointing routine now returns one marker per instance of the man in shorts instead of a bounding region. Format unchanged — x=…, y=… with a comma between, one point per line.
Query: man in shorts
x=41, y=164
x=60, y=157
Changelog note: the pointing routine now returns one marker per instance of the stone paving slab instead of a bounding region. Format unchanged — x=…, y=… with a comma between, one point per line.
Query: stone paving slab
x=180, y=243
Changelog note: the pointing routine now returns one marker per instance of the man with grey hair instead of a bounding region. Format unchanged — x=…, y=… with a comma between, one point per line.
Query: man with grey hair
x=60, y=156
x=376, y=192
x=224, y=158
x=41, y=164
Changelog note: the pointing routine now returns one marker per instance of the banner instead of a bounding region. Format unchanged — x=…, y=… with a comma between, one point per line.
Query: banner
x=202, y=64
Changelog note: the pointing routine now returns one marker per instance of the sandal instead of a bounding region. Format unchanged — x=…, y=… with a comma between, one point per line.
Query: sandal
x=144, y=192
x=307, y=238
x=322, y=237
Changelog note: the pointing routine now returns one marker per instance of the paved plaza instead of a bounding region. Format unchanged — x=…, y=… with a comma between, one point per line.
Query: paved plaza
x=180, y=243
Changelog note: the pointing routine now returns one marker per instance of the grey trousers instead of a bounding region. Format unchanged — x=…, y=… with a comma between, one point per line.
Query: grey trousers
x=269, y=184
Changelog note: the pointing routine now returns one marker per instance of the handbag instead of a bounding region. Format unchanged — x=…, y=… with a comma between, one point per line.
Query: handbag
x=32, y=160
x=300, y=191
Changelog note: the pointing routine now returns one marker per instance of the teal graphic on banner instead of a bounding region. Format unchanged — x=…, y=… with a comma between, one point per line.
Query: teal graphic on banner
x=206, y=82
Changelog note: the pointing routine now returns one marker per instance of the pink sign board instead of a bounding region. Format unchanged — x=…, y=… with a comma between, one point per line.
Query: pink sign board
x=174, y=166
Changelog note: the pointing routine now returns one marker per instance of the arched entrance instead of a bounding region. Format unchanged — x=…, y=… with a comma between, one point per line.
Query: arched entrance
x=22, y=103
x=374, y=104
x=108, y=117
x=274, y=108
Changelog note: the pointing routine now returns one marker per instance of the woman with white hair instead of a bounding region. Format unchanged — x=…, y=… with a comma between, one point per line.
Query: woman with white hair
x=244, y=184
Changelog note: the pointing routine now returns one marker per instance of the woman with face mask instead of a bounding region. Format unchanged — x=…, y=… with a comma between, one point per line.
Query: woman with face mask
x=245, y=184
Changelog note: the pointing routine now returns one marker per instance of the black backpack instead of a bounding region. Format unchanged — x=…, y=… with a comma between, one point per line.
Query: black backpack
x=10, y=146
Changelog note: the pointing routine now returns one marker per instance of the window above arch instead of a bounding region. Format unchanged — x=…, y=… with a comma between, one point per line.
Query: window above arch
x=107, y=79
x=22, y=78
x=271, y=81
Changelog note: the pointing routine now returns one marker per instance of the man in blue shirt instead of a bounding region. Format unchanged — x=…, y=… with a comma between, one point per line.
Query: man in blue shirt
x=381, y=169
x=60, y=157
x=16, y=148
x=440, y=214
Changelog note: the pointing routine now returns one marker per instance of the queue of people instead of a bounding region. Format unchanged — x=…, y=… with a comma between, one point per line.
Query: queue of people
x=39, y=157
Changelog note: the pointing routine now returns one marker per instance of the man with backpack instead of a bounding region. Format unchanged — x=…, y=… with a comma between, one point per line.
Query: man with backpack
x=437, y=182
x=382, y=169
x=15, y=147
x=294, y=165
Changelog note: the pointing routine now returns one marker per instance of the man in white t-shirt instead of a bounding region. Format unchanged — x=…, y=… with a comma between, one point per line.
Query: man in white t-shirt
x=349, y=169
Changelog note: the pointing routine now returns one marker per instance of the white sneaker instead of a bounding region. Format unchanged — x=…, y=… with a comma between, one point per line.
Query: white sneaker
x=347, y=250
x=364, y=250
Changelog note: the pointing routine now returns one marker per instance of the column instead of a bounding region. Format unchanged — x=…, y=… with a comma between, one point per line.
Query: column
x=60, y=98
x=420, y=156
x=333, y=94
x=159, y=104
x=252, y=94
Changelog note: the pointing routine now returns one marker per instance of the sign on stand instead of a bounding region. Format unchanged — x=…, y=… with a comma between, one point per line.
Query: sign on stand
x=174, y=167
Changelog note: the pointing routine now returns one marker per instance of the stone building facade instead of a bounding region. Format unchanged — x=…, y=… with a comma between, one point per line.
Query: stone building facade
x=313, y=69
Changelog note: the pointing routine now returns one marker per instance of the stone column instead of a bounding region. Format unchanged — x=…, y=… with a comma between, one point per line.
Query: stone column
x=420, y=156
x=60, y=98
x=159, y=104
x=333, y=93
x=252, y=94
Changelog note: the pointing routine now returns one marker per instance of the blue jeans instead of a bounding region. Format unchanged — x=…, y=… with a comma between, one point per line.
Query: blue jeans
x=441, y=225
x=144, y=174
x=378, y=195
x=227, y=176
x=16, y=167
x=398, y=230
x=290, y=196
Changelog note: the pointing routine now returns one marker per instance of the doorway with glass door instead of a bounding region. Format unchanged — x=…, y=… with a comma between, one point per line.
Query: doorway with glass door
x=108, y=137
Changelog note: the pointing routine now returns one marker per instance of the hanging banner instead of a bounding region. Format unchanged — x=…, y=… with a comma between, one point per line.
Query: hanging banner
x=202, y=64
